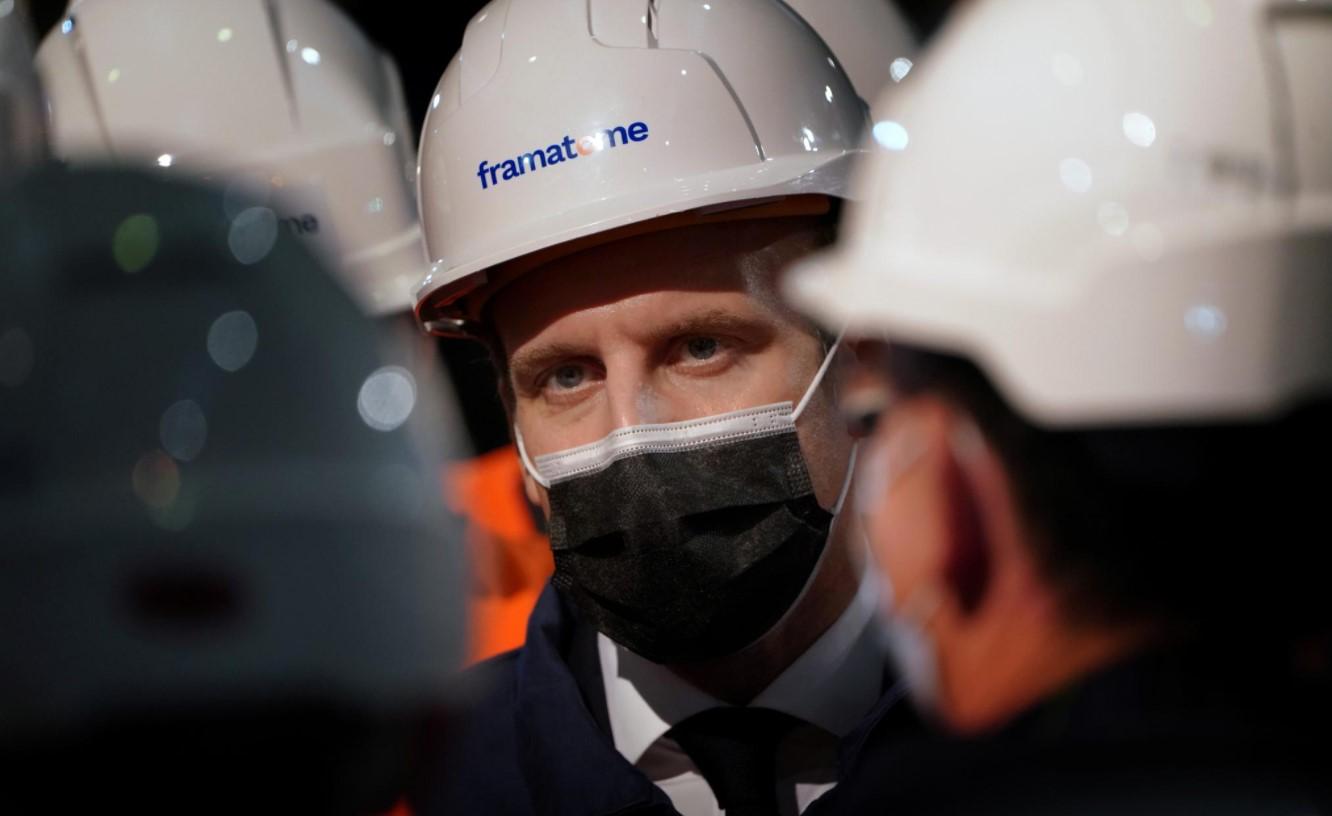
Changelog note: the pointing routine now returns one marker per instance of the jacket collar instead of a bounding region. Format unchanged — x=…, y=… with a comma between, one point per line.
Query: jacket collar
x=564, y=746
x=564, y=741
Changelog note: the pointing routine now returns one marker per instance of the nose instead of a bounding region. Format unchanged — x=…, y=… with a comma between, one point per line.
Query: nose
x=629, y=395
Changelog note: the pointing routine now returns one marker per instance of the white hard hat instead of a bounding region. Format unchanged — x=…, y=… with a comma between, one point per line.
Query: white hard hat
x=22, y=120
x=870, y=39
x=289, y=100
x=564, y=119
x=1120, y=209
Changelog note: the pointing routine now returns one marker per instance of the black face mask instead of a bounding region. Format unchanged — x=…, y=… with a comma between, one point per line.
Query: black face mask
x=688, y=541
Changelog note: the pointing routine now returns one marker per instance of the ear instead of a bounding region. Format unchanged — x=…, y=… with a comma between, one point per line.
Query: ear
x=969, y=557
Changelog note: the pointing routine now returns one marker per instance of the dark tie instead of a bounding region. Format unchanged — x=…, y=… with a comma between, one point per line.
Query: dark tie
x=736, y=751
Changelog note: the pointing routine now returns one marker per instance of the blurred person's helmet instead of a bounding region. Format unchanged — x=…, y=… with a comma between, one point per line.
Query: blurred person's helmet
x=22, y=118
x=287, y=100
x=870, y=38
x=220, y=538
x=1121, y=210
x=562, y=123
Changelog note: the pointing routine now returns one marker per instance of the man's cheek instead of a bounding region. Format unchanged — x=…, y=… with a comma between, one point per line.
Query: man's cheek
x=898, y=523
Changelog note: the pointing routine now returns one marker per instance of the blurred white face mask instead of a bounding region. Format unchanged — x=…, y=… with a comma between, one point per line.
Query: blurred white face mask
x=914, y=655
x=906, y=629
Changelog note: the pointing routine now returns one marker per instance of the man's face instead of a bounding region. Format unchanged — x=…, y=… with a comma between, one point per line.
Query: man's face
x=665, y=327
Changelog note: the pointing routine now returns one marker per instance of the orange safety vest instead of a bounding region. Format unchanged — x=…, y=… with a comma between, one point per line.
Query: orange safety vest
x=510, y=557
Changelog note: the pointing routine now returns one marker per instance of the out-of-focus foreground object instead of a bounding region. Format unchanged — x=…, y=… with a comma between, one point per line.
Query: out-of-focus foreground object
x=1067, y=195
x=226, y=577
x=507, y=548
x=285, y=101
x=22, y=119
x=1092, y=277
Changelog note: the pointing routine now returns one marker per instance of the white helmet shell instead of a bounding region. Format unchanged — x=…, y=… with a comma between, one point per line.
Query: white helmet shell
x=288, y=100
x=560, y=119
x=1120, y=209
x=22, y=119
x=870, y=39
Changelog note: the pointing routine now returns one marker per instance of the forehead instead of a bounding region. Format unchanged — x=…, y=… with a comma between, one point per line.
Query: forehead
x=731, y=266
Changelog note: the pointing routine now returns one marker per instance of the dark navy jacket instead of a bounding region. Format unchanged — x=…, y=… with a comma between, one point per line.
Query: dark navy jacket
x=1194, y=729
x=535, y=738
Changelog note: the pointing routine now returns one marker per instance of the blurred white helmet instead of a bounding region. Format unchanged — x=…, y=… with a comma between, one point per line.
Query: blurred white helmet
x=870, y=39
x=287, y=100
x=1120, y=209
x=565, y=119
x=22, y=120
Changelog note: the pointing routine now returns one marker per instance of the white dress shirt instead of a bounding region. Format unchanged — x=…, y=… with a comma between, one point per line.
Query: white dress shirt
x=832, y=686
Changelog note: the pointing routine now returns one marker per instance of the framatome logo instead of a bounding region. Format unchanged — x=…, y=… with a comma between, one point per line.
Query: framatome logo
x=567, y=149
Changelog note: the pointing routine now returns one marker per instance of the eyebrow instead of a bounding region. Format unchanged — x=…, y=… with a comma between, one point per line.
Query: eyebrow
x=528, y=362
x=709, y=321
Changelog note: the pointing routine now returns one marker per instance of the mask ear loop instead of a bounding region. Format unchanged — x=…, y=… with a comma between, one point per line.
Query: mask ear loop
x=804, y=403
x=846, y=481
x=818, y=377
x=527, y=462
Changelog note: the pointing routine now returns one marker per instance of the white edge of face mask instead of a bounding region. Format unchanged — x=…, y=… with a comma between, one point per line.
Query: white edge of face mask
x=623, y=443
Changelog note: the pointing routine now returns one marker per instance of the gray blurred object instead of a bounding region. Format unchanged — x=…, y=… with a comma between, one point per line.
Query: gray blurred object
x=224, y=565
x=22, y=114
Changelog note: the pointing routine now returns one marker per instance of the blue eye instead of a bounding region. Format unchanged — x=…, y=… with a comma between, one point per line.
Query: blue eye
x=569, y=376
x=702, y=348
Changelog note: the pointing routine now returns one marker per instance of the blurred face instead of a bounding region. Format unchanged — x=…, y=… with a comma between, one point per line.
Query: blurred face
x=661, y=328
x=904, y=516
x=907, y=520
x=978, y=630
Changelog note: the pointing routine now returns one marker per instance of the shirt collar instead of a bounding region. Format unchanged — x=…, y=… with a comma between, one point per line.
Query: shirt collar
x=564, y=753
x=846, y=663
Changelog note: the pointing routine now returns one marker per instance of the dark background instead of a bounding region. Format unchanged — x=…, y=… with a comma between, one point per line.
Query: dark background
x=422, y=37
